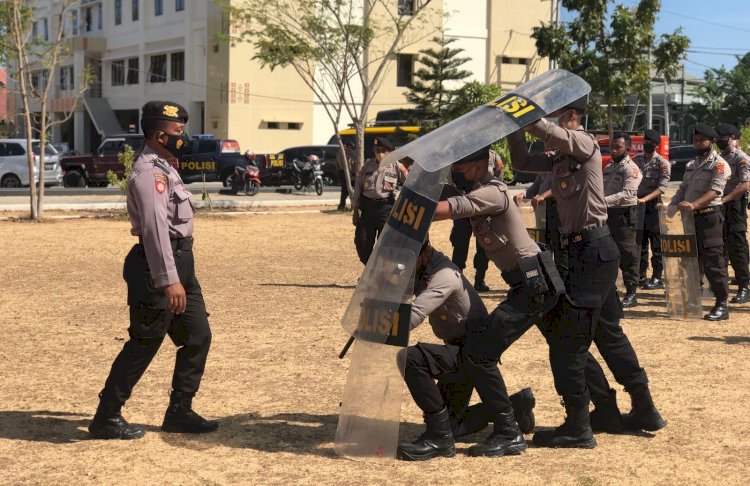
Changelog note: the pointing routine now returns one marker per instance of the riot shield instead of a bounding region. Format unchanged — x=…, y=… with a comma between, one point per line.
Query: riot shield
x=681, y=269
x=371, y=400
x=535, y=221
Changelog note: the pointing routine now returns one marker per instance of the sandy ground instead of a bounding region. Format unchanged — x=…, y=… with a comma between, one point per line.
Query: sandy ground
x=276, y=286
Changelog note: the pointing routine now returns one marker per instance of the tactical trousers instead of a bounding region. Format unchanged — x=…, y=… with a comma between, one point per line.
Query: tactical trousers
x=709, y=231
x=460, y=236
x=735, y=238
x=552, y=232
x=344, y=190
x=650, y=236
x=590, y=312
x=427, y=362
x=622, y=225
x=151, y=321
x=374, y=216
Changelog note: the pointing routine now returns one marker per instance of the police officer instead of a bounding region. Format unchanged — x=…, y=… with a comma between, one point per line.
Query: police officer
x=534, y=286
x=590, y=310
x=461, y=236
x=621, y=180
x=163, y=293
x=374, y=195
x=445, y=297
x=701, y=192
x=735, y=208
x=656, y=172
x=538, y=193
x=343, y=159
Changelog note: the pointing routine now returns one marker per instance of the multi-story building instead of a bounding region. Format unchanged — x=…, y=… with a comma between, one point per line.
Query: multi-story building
x=140, y=50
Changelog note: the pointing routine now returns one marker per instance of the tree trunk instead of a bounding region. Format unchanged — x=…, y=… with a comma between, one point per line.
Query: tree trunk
x=42, y=142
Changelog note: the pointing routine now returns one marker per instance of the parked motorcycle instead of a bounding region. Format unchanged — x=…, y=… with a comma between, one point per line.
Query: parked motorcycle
x=246, y=179
x=308, y=174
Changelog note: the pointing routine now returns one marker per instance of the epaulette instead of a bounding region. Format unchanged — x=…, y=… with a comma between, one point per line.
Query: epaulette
x=163, y=166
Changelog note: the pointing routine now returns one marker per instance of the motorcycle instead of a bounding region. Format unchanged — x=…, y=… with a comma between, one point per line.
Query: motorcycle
x=246, y=179
x=308, y=174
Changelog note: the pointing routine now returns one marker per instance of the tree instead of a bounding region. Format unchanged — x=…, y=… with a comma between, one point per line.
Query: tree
x=33, y=62
x=725, y=94
x=618, y=43
x=430, y=92
x=712, y=95
x=329, y=43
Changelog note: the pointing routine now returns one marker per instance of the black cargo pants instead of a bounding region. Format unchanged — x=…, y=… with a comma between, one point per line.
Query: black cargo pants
x=151, y=321
x=460, y=237
x=371, y=222
x=709, y=232
x=650, y=237
x=735, y=239
x=622, y=225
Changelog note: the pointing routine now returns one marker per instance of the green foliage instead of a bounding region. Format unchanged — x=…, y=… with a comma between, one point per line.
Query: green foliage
x=725, y=94
x=470, y=96
x=429, y=92
x=126, y=158
x=745, y=139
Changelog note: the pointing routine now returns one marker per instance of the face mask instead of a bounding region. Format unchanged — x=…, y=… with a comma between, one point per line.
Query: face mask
x=178, y=145
x=703, y=151
x=722, y=144
x=649, y=148
x=461, y=182
x=618, y=158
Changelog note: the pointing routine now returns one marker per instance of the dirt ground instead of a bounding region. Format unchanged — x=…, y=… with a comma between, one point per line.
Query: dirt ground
x=276, y=286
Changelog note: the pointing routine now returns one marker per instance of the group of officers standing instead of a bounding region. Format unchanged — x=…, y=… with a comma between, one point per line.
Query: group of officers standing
x=598, y=222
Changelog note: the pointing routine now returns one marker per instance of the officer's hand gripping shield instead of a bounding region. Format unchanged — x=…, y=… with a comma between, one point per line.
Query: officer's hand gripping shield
x=681, y=269
x=370, y=411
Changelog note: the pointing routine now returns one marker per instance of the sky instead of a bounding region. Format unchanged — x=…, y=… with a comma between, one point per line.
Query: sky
x=718, y=30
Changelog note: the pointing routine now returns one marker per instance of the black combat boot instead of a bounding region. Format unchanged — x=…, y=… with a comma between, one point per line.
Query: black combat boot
x=654, y=284
x=629, y=300
x=575, y=432
x=643, y=283
x=523, y=409
x=108, y=423
x=505, y=440
x=436, y=441
x=475, y=418
x=606, y=417
x=720, y=312
x=743, y=296
x=643, y=415
x=180, y=416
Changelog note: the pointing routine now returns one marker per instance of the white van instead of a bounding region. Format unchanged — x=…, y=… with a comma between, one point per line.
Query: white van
x=14, y=168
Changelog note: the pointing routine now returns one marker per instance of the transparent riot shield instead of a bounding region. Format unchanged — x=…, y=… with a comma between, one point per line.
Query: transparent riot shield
x=535, y=220
x=370, y=398
x=681, y=269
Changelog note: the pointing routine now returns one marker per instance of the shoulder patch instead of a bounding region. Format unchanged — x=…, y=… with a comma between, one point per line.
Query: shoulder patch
x=160, y=185
x=720, y=168
x=664, y=167
x=635, y=172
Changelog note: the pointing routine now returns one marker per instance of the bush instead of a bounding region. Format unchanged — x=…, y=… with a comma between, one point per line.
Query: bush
x=126, y=159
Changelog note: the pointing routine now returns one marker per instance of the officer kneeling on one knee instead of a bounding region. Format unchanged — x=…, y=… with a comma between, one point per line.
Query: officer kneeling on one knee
x=445, y=297
x=700, y=192
x=163, y=293
x=735, y=208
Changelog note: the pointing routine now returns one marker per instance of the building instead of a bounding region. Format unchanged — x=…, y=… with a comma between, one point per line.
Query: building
x=140, y=50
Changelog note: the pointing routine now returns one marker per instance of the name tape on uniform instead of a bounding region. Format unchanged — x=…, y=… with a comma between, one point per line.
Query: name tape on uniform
x=379, y=318
x=521, y=110
x=679, y=246
x=412, y=214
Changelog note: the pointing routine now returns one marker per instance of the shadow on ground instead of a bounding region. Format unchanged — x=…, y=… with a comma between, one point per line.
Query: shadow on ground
x=725, y=339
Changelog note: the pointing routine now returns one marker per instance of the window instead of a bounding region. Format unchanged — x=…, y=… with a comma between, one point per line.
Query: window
x=118, y=12
x=74, y=22
x=158, y=7
x=66, y=78
x=46, y=29
x=272, y=125
x=405, y=7
x=133, y=70
x=178, y=66
x=14, y=149
x=89, y=18
x=294, y=126
x=118, y=73
x=157, y=71
x=135, y=10
x=43, y=78
x=179, y=5
x=99, y=17
x=35, y=29
x=404, y=69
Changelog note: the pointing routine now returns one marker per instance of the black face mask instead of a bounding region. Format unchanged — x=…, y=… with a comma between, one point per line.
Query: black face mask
x=722, y=144
x=461, y=182
x=703, y=151
x=619, y=158
x=178, y=145
x=649, y=148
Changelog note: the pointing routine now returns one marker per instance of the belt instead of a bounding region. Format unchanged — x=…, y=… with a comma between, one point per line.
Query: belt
x=705, y=211
x=378, y=201
x=184, y=244
x=583, y=236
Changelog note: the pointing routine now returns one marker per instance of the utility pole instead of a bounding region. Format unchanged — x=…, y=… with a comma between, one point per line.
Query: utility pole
x=649, y=101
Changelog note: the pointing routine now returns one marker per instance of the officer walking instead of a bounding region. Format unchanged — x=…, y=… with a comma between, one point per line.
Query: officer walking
x=701, y=192
x=656, y=172
x=445, y=297
x=374, y=195
x=621, y=180
x=735, y=208
x=590, y=310
x=343, y=159
x=540, y=193
x=163, y=293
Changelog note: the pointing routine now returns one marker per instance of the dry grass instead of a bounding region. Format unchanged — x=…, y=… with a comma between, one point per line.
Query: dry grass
x=276, y=286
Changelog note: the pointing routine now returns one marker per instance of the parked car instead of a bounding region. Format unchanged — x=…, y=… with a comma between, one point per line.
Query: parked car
x=63, y=149
x=398, y=135
x=213, y=158
x=679, y=156
x=14, y=166
x=91, y=169
x=277, y=169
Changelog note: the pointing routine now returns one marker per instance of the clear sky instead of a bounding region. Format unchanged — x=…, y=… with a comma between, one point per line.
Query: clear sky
x=718, y=29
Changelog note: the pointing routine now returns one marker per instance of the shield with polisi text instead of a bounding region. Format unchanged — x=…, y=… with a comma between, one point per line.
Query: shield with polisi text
x=373, y=370
x=681, y=269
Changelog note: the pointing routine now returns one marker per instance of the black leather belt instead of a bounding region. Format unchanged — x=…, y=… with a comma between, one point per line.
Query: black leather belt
x=184, y=244
x=705, y=211
x=583, y=236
